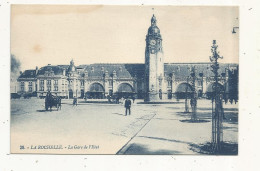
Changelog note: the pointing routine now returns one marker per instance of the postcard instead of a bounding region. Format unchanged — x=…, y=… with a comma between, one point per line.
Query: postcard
x=124, y=80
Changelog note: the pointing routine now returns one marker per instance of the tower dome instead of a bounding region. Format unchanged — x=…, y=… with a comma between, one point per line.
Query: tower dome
x=153, y=29
x=72, y=67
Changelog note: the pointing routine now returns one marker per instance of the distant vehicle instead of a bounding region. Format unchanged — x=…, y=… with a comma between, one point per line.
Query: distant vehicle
x=27, y=96
x=15, y=96
x=51, y=101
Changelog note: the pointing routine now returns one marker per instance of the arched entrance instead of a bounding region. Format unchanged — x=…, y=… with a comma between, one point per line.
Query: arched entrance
x=125, y=90
x=183, y=91
x=210, y=90
x=96, y=91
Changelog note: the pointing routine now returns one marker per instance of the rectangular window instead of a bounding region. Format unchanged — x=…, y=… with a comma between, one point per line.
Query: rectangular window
x=48, y=82
x=41, y=82
x=82, y=83
x=22, y=86
x=55, y=82
x=55, y=88
x=30, y=83
x=41, y=88
x=30, y=89
x=48, y=88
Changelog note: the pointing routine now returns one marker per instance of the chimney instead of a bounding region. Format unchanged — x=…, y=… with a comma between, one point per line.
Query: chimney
x=36, y=70
x=63, y=72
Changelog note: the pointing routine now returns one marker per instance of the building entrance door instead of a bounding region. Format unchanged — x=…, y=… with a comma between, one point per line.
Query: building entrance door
x=96, y=91
x=70, y=94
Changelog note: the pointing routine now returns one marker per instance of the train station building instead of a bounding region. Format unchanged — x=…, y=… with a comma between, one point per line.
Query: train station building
x=152, y=81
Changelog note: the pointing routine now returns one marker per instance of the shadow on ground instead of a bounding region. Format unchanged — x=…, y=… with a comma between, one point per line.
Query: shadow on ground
x=52, y=110
x=138, y=149
x=173, y=108
x=89, y=101
x=228, y=148
x=118, y=114
x=231, y=117
x=225, y=109
x=200, y=115
x=166, y=102
x=42, y=111
x=194, y=121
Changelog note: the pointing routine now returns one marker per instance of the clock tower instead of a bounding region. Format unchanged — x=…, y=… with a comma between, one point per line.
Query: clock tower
x=154, y=65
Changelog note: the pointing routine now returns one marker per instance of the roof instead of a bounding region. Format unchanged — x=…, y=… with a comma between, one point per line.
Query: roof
x=58, y=70
x=121, y=70
x=182, y=69
x=130, y=70
x=28, y=74
x=137, y=70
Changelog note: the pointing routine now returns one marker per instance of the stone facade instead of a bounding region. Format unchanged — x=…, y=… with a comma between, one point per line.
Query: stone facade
x=152, y=81
x=154, y=66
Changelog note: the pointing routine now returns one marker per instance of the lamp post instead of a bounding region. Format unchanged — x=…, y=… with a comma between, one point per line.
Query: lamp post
x=194, y=95
x=112, y=80
x=186, y=97
x=234, y=30
x=217, y=110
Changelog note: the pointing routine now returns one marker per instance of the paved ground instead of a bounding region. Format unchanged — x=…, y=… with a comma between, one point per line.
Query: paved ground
x=96, y=128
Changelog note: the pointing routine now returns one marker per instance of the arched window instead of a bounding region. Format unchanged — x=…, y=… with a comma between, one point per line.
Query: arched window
x=96, y=87
x=124, y=87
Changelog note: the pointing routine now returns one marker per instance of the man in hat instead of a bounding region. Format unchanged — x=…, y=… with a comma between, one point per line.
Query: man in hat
x=127, y=106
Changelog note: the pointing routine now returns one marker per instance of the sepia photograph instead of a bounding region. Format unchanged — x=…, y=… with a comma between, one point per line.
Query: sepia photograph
x=124, y=80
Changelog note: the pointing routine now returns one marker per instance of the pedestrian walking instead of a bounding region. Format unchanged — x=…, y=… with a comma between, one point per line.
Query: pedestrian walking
x=75, y=101
x=133, y=98
x=109, y=98
x=117, y=100
x=127, y=106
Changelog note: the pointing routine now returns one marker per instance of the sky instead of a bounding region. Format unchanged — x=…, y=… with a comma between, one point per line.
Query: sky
x=55, y=34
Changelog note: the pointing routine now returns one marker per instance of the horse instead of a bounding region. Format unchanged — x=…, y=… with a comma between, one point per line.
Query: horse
x=51, y=101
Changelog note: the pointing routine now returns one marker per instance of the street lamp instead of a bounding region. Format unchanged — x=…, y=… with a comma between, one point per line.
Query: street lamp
x=217, y=111
x=111, y=91
x=194, y=95
x=186, y=96
x=234, y=30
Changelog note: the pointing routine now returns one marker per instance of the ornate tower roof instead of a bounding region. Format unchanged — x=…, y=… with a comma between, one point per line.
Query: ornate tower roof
x=153, y=29
x=72, y=67
x=153, y=20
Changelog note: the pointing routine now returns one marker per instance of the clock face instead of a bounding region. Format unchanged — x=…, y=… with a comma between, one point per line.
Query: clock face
x=152, y=42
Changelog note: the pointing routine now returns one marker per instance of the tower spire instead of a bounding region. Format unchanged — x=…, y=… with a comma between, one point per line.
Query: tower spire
x=153, y=20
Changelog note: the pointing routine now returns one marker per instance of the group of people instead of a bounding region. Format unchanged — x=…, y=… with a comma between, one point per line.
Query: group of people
x=118, y=100
x=127, y=103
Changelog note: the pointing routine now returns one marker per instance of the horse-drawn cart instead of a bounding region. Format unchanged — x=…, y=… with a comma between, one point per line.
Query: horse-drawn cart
x=51, y=101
